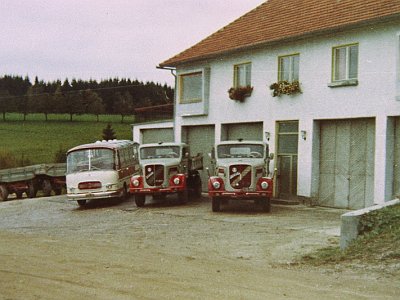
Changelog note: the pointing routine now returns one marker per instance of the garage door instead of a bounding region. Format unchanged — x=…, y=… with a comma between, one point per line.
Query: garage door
x=396, y=175
x=201, y=140
x=246, y=131
x=157, y=135
x=347, y=150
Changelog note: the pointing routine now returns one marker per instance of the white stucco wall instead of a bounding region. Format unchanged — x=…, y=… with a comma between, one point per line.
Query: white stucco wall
x=137, y=129
x=377, y=94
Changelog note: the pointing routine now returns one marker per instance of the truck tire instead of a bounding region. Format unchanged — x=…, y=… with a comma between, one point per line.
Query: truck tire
x=216, y=204
x=140, y=200
x=81, y=203
x=3, y=193
x=125, y=192
x=46, y=187
x=266, y=205
x=183, y=196
x=197, y=188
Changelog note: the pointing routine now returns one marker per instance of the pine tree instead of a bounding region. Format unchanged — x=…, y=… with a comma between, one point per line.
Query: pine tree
x=108, y=133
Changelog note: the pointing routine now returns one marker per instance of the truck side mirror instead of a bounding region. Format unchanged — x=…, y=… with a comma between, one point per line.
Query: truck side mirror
x=271, y=156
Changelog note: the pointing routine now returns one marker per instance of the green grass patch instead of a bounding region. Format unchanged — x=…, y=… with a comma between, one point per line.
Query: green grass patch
x=38, y=141
x=379, y=242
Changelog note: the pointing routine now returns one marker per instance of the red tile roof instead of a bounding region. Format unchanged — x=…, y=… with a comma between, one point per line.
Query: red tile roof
x=277, y=20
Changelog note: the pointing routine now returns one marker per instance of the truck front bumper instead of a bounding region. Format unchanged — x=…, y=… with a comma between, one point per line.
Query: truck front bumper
x=95, y=195
x=240, y=194
x=162, y=190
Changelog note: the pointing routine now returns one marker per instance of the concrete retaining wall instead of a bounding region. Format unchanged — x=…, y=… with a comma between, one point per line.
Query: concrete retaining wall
x=350, y=222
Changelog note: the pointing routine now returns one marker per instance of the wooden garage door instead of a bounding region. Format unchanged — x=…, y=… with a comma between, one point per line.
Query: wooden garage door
x=396, y=170
x=157, y=135
x=246, y=131
x=201, y=139
x=347, y=149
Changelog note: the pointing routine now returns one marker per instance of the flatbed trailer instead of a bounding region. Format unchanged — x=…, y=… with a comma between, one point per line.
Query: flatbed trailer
x=31, y=179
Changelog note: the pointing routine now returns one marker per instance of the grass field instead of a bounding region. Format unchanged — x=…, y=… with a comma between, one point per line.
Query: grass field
x=38, y=141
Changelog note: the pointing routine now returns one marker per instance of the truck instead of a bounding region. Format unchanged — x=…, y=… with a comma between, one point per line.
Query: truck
x=240, y=172
x=31, y=179
x=167, y=168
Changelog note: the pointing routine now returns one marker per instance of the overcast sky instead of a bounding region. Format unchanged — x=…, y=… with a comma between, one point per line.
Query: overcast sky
x=99, y=39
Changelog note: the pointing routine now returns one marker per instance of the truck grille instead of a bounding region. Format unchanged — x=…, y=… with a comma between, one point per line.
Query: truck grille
x=240, y=176
x=154, y=175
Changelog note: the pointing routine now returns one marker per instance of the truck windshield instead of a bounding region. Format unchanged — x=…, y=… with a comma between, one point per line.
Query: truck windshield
x=159, y=152
x=90, y=160
x=240, y=150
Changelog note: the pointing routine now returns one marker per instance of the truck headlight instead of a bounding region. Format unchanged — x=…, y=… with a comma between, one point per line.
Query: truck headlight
x=135, y=182
x=177, y=181
x=264, y=185
x=216, y=185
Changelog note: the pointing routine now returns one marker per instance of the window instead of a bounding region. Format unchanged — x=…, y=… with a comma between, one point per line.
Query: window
x=242, y=75
x=289, y=68
x=191, y=87
x=345, y=63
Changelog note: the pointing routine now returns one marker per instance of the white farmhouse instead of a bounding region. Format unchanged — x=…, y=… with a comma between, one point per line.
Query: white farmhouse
x=318, y=79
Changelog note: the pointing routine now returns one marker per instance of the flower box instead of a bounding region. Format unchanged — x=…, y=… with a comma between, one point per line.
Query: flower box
x=239, y=93
x=285, y=88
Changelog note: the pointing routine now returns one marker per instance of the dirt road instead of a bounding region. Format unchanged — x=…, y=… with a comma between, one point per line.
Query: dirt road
x=52, y=249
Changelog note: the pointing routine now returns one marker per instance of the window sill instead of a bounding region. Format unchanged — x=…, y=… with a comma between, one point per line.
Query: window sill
x=190, y=101
x=350, y=82
x=193, y=115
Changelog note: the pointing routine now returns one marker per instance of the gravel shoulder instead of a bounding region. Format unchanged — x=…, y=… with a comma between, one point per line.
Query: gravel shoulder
x=51, y=249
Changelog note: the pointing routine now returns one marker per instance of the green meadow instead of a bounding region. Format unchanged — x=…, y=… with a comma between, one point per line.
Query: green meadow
x=37, y=141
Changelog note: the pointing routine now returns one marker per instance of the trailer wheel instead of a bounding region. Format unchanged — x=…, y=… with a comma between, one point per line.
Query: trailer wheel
x=31, y=193
x=46, y=187
x=216, y=204
x=140, y=200
x=3, y=193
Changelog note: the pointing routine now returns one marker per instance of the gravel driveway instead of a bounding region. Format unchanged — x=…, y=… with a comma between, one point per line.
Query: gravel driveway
x=52, y=249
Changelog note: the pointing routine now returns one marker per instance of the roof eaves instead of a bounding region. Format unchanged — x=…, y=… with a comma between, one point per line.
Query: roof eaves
x=177, y=62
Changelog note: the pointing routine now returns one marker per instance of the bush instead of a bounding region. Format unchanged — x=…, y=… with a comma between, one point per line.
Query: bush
x=60, y=156
x=8, y=160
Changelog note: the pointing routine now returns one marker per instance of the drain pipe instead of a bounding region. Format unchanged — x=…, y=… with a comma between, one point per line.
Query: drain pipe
x=173, y=72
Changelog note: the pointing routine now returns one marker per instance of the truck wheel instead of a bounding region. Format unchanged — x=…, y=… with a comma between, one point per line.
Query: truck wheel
x=183, y=196
x=124, y=192
x=46, y=187
x=3, y=193
x=197, y=189
x=81, y=203
x=216, y=204
x=140, y=200
x=31, y=192
x=266, y=205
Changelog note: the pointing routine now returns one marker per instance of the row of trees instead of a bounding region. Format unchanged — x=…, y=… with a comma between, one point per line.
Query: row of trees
x=112, y=96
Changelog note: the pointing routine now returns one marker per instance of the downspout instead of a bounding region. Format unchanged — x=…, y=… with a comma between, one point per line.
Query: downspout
x=173, y=72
